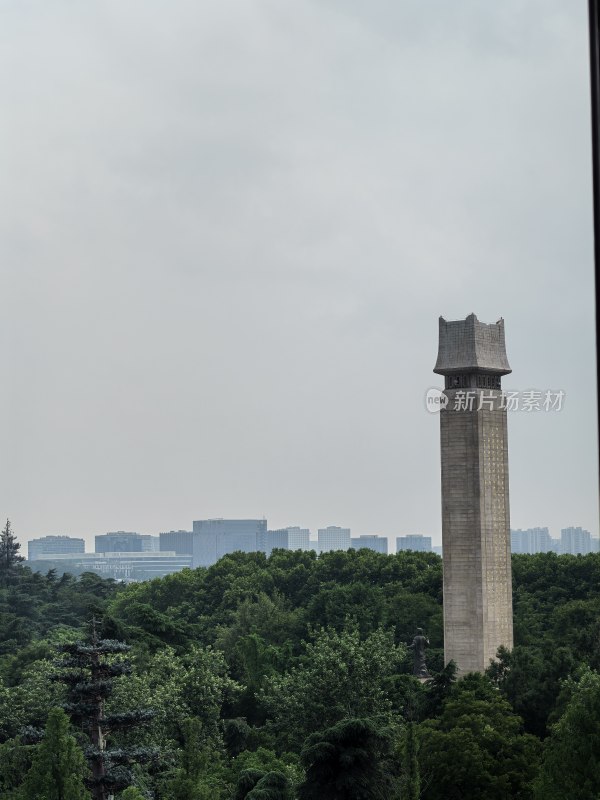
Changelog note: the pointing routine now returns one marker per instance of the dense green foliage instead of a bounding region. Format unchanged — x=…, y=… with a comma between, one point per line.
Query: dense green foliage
x=265, y=676
x=350, y=761
x=58, y=767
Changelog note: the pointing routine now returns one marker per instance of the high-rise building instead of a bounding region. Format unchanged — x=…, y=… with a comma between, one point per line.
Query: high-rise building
x=38, y=548
x=287, y=539
x=119, y=542
x=475, y=507
x=333, y=538
x=370, y=541
x=575, y=541
x=276, y=540
x=414, y=541
x=150, y=544
x=298, y=538
x=179, y=542
x=532, y=540
x=214, y=538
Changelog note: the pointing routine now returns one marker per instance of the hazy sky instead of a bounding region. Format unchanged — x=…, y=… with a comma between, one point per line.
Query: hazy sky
x=227, y=230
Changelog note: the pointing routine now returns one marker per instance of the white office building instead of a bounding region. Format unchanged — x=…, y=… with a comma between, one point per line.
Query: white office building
x=368, y=541
x=333, y=538
x=413, y=541
x=298, y=538
x=38, y=548
x=214, y=538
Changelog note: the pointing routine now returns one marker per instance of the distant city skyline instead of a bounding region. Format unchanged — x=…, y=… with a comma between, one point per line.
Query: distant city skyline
x=536, y=539
x=133, y=556
x=436, y=540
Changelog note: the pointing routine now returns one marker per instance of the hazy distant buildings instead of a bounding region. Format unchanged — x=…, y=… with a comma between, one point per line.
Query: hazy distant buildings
x=214, y=538
x=276, y=540
x=38, y=548
x=150, y=544
x=370, y=542
x=298, y=538
x=333, y=538
x=287, y=539
x=413, y=541
x=532, y=540
x=119, y=542
x=179, y=542
x=124, y=566
x=575, y=541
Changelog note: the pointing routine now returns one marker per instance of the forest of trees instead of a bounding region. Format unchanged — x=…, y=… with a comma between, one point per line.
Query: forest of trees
x=290, y=677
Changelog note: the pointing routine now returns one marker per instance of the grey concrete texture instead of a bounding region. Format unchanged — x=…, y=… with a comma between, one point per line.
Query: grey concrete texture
x=468, y=344
x=475, y=499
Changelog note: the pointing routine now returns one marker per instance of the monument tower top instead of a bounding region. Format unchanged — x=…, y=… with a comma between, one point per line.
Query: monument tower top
x=467, y=345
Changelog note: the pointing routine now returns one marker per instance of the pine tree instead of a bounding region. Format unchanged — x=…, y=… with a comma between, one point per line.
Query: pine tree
x=349, y=760
x=9, y=552
x=89, y=672
x=58, y=768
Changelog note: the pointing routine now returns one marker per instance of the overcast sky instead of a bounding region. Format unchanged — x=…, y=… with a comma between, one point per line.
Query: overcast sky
x=228, y=229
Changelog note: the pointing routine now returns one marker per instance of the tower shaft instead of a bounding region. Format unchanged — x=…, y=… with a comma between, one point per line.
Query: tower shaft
x=475, y=533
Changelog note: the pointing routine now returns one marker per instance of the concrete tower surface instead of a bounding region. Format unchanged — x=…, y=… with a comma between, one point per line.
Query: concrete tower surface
x=475, y=507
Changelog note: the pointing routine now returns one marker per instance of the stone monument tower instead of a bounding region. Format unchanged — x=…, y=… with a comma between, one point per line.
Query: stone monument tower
x=475, y=509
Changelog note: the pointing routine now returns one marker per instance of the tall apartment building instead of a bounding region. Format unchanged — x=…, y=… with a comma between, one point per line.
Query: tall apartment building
x=298, y=538
x=413, y=541
x=575, y=540
x=367, y=541
x=179, y=542
x=214, y=538
x=333, y=538
x=38, y=548
x=532, y=540
x=287, y=539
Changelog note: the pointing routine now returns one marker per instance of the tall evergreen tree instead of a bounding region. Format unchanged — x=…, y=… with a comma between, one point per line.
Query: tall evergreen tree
x=58, y=768
x=9, y=552
x=347, y=762
x=89, y=672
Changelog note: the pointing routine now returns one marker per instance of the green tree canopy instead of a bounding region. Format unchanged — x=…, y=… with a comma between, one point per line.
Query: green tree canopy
x=58, y=766
x=339, y=676
x=476, y=749
x=571, y=761
x=349, y=761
